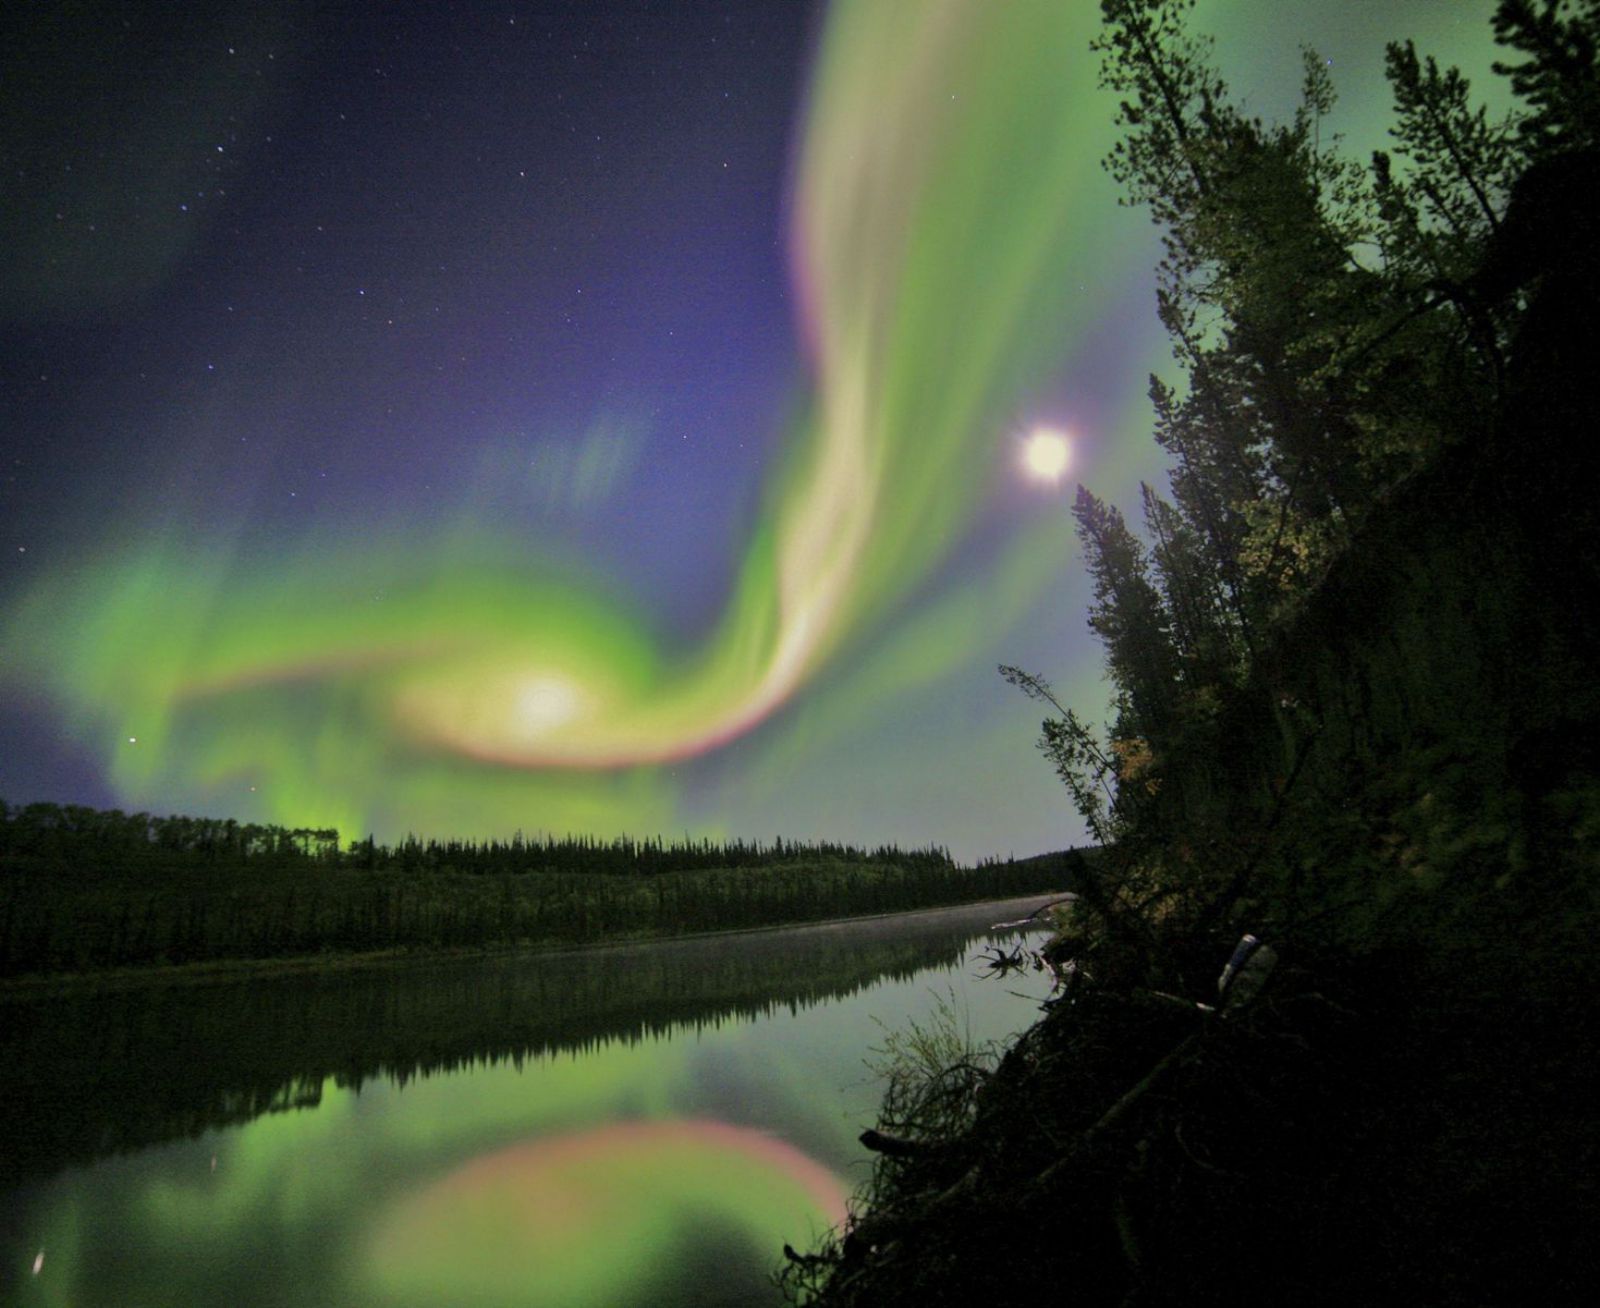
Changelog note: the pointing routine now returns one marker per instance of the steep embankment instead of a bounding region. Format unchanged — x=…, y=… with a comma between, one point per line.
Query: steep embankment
x=1405, y=803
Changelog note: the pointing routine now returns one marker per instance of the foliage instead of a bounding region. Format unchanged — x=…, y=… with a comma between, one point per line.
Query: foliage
x=1333, y=347
x=1558, y=75
x=1080, y=760
x=931, y=1071
x=111, y=839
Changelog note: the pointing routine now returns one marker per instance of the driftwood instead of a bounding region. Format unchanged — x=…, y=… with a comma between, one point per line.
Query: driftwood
x=1034, y=916
x=895, y=1146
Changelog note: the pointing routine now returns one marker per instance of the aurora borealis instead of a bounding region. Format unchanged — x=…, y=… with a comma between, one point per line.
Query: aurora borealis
x=575, y=418
x=504, y=1227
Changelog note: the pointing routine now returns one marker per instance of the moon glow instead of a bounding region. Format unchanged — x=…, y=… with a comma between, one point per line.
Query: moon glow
x=1046, y=454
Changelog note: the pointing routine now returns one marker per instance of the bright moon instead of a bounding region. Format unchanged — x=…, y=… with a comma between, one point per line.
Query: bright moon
x=1046, y=454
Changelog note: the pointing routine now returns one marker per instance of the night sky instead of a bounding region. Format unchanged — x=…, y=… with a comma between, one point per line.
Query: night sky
x=577, y=416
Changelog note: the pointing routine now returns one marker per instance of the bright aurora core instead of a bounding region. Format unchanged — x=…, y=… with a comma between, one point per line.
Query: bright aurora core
x=588, y=418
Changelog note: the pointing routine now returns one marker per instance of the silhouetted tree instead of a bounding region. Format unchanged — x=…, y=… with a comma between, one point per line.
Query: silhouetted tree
x=1558, y=75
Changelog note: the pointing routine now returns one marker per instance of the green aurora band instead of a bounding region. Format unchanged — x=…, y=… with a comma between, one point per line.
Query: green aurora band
x=926, y=309
x=951, y=245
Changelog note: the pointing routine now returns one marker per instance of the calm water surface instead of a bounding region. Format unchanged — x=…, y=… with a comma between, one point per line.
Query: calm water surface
x=643, y=1124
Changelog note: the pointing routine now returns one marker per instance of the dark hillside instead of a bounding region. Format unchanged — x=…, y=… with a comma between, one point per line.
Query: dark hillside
x=1406, y=1112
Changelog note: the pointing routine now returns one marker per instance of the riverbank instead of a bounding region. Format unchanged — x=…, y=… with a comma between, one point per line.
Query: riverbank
x=1411, y=1122
x=229, y=971
x=1405, y=1112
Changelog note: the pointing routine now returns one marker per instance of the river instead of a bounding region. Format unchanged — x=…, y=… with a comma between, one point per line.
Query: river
x=636, y=1124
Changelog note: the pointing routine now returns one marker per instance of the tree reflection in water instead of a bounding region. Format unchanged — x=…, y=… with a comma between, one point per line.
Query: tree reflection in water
x=92, y=1075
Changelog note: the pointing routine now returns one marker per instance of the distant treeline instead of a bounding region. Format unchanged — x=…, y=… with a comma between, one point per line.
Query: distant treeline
x=113, y=839
x=84, y=890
